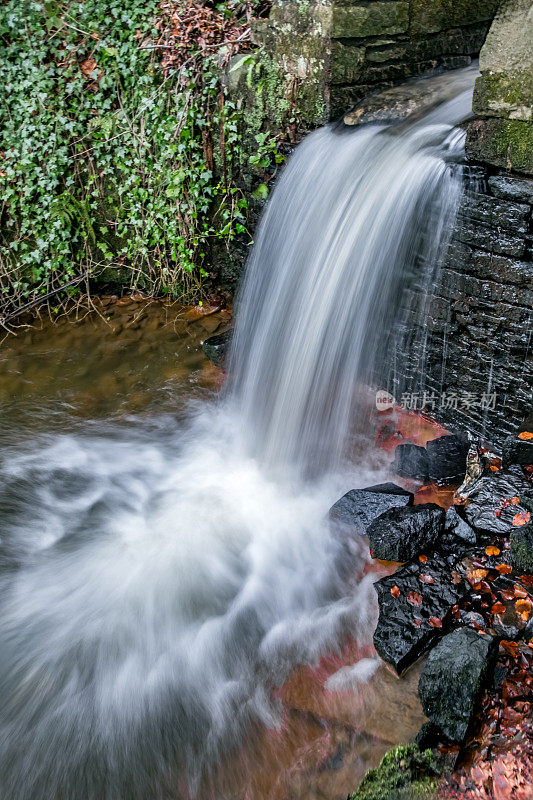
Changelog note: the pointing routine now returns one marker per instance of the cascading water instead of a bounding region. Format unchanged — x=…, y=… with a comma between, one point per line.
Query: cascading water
x=158, y=579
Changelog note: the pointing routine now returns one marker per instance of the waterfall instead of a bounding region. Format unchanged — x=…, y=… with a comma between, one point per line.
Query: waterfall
x=159, y=577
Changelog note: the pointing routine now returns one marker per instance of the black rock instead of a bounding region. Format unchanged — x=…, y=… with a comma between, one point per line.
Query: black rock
x=456, y=527
x=447, y=458
x=484, y=510
x=359, y=507
x=399, y=534
x=453, y=677
x=517, y=451
x=216, y=347
x=522, y=547
x=411, y=461
x=427, y=592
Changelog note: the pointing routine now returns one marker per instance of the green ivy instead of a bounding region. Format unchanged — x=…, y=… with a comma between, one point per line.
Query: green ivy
x=104, y=161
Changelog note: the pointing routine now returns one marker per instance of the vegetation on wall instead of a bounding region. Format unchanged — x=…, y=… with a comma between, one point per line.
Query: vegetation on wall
x=120, y=145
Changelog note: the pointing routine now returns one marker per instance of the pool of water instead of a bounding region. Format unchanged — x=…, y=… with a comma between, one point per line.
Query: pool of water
x=127, y=373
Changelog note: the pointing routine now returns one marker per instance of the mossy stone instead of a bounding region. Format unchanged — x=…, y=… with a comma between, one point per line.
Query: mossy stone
x=522, y=547
x=405, y=773
x=431, y=16
x=374, y=19
x=506, y=143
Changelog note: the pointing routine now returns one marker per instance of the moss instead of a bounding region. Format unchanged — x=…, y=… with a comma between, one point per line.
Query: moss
x=504, y=95
x=405, y=773
x=506, y=143
x=522, y=547
x=431, y=16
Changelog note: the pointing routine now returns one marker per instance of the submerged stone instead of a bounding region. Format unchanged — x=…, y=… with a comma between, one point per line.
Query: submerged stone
x=399, y=534
x=494, y=501
x=415, y=605
x=411, y=461
x=453, y=678
x=522, y=547
x=447, y=458
x=358, y=508
x=216, y=347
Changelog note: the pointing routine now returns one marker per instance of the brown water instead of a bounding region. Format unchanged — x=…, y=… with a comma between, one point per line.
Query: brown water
x=127, y=356
x=132, y=359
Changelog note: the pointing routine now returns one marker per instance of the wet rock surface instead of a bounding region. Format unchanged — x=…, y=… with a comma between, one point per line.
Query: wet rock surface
x=447, y=458
x=411, y=461
x=217, y=347
x=399, y=534
x=453, y=678
x=415, y=605
x=494, y=501
x=358, y=508
x=517, y=451
x=522, y=547
x=456, y=527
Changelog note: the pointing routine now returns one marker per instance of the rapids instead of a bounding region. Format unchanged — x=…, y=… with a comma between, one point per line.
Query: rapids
x=159, y=578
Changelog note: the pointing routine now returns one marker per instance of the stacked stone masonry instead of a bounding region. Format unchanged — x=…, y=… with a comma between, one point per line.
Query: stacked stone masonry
x=378, y=44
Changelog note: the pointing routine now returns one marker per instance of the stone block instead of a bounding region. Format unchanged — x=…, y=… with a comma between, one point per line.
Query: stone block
x=347, y=63
x=431, y=16
x=373, y=19
x=504, y=143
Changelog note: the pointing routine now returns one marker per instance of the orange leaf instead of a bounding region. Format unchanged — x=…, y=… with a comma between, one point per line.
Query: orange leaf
x=526, y=435
x=422, y=559
x=522, y=518
x=504, y=569
x=509, y=647
x=435, y=622
x=395, y=591
x=527, y=580
x=523, y=608
x=478, y=574
x=498, y=608
x=492, y=551
x=513, y=501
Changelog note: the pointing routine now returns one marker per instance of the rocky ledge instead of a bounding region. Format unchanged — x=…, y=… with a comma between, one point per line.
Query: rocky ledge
x=462, y=596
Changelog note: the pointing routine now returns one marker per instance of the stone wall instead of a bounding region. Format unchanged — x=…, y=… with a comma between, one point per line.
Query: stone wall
x=334, y=52
x=479, y=332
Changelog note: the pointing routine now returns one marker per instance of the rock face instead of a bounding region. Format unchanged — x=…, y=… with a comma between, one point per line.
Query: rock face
x=216, y=347
x=411, y=461
x=522, y=547
x=494, y=501
x=415, y=606
x=358, y=508
x=517, y=451
x=453, y=678
x=399, y=534
x=447, y=458
x=455, y=526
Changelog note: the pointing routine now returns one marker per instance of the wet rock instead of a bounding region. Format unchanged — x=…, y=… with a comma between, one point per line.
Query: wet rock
x=492, y=502
x=415, y=606
x=216, y=347
x=512, y=188
x=522, y=547
x=509, y=624
x=404, y=773
x=455, y=526
x=399, y=534
x=411, y=461
x=447, y=458
x=517, y=451
x=358, y=508
x=453, y=678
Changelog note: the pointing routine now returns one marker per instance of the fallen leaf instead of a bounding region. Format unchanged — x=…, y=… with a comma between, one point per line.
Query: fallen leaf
x=526, y=435
x=418, y=622
x=497, y=512
x=415, y=598
x=522, y=518
x=523, y=608
x=491, y=550
x=498, y=608
x=395, y=591
x=423, y=559
x=426, y=578
x=478, y=574
x=509, y=647
x=507, y=594
x=504, y=569
x=435, y=622
x=518, y=591
x=527, y=580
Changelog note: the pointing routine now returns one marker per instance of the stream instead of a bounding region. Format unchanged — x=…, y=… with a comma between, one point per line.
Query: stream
x=179, y=617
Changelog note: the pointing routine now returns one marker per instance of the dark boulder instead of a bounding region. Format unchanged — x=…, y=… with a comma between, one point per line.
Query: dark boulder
x=415, y=606
x=455, y=526
x=453, y=678
x=522, y=547
x=490, y=509
x=411, y=461
x=359, y=507
x=217, y=347
x=447, y=458
x=517, y=451
x=399, y=534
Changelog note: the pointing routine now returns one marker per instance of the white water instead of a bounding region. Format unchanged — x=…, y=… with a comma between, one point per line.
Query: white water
x=158, y=579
